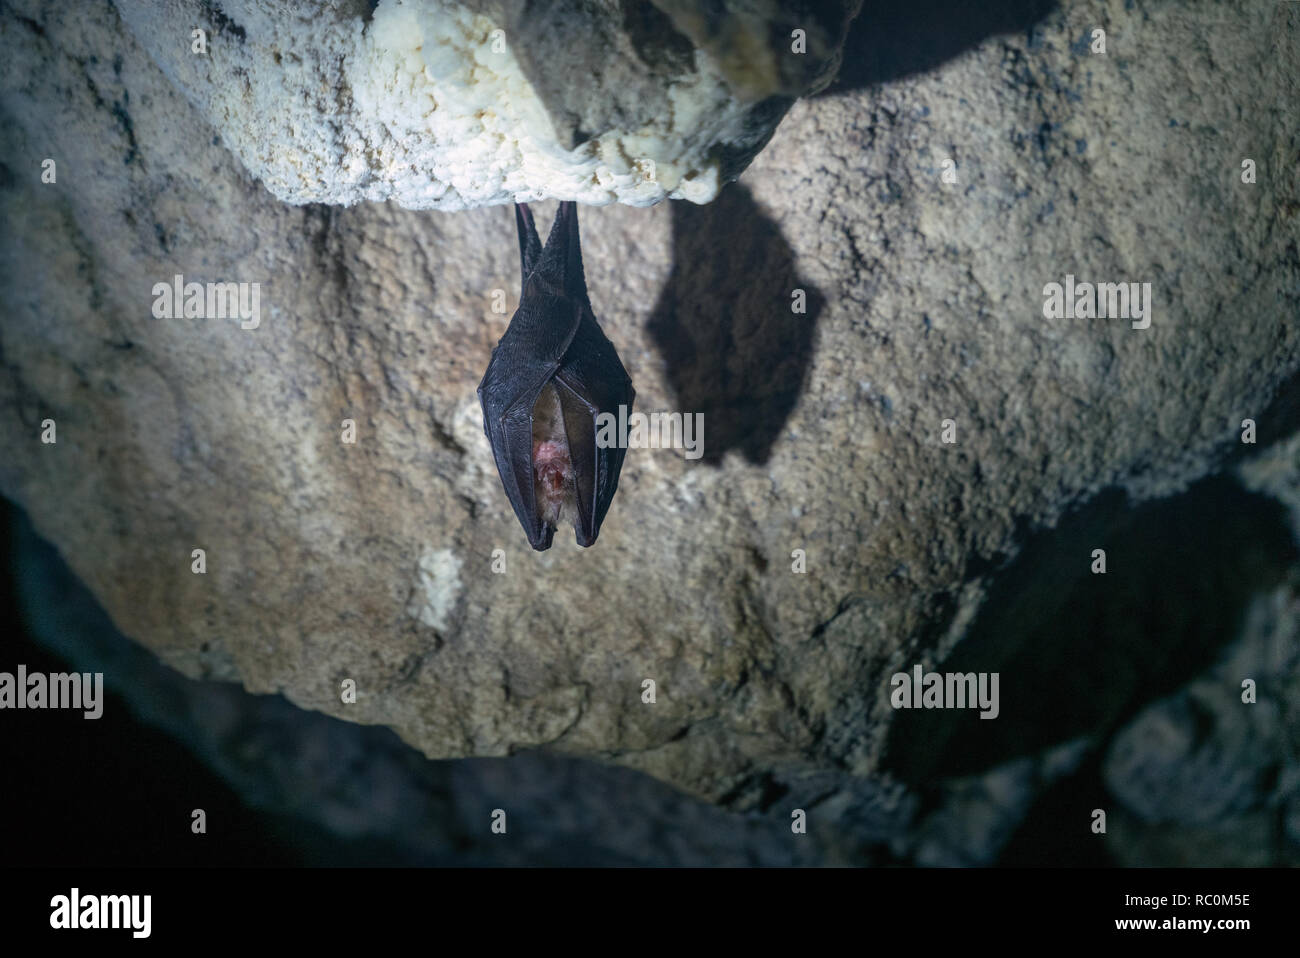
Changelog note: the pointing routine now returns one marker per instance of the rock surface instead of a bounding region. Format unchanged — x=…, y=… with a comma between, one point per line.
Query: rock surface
x=453, y=104
x=372, y=561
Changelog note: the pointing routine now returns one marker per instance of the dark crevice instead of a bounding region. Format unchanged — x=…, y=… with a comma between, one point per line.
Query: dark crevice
x=1080, y=653
x=655, y=39
x=1056, y=832
x=222, y=22
x=893, y=39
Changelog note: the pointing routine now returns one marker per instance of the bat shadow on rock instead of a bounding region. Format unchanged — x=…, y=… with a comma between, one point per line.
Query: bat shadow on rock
x=892, y=39
x=735, y=324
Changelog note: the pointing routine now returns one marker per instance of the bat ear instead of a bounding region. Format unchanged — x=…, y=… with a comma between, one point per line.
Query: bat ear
x=530, y=247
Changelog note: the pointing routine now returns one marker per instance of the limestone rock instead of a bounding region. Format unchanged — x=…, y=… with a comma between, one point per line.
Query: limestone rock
x=452, y=104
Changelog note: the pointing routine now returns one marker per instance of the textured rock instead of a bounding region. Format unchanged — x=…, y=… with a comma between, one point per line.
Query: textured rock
x=359, y=792
x=1205, y=777
x=444, y=104
x=372, y=561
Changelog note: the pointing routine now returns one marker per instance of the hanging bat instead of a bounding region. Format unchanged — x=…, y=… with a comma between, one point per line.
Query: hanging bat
x=550, y=376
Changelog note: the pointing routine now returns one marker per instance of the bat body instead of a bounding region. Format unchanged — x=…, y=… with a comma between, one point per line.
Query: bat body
x=550, y=376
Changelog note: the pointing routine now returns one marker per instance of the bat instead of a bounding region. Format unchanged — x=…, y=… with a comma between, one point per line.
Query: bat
x=550, y=376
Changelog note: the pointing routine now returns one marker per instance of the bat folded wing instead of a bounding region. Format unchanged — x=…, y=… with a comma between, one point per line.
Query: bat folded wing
x=590, y=381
